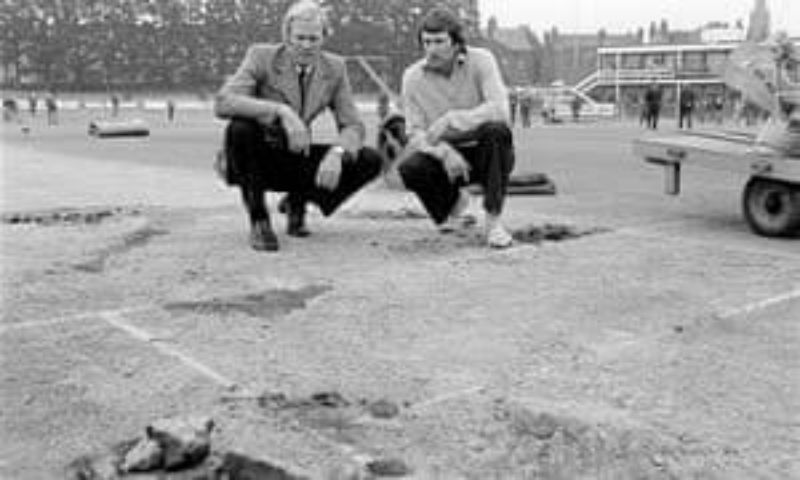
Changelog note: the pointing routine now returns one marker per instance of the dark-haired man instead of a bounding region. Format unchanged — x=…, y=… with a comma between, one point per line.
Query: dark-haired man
x=271, y=100
x=456, y=110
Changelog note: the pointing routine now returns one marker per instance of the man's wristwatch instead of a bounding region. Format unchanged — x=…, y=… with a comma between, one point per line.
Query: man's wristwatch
x=338, y=150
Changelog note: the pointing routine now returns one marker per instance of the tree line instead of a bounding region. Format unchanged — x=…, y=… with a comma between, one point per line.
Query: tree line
x=187, y=45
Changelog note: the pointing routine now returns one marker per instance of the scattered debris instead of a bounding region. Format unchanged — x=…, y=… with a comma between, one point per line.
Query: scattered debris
x=170, y=444
x=268, y=303
x=176, y=449
x=553, y=232
x=60, y=216
x=388, y=467
x=329, y=399
x=383, y=409
x=235, y=466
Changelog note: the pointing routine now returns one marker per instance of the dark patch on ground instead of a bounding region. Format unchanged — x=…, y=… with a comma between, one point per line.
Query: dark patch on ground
x=389, y=467
x=135, y=239
x=235, y=466
x=399, y=214
x=265, y=304
x=69, y=216
x=280, y=401
x=552, y=232
x=473, y=237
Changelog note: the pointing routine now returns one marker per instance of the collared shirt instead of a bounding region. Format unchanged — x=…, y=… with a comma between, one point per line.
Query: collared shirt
x=267, y=79
x=475, y=89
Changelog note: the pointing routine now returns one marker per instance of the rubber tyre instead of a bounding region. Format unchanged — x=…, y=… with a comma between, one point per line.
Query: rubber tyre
x=772, y=208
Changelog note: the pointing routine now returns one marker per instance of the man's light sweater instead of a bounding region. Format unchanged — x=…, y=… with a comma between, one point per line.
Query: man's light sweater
x=474, y=92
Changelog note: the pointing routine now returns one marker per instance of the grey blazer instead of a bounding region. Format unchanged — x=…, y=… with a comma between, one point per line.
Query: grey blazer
x=267, y=73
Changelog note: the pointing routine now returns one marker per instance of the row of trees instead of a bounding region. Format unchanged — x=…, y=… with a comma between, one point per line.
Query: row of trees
x=179, y=44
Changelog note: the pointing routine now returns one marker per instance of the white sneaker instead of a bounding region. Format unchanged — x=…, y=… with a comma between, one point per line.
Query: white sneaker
x=498, y=237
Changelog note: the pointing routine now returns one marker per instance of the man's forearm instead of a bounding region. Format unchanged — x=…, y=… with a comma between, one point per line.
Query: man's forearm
x=227, y=105
x=465, y=120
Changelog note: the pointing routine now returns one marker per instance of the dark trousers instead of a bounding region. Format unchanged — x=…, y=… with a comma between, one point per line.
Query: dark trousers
x=685, y=114
x=652, y=117
x=261, y=162
x=489, y=151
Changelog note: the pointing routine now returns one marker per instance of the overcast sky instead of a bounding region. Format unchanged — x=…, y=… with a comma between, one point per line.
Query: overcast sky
x=627, y=15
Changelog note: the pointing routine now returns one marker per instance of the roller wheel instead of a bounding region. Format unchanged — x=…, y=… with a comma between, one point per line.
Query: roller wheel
x=772, y=208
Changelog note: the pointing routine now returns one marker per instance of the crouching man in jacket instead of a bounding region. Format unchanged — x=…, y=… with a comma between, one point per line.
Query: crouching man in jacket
x=271, y=100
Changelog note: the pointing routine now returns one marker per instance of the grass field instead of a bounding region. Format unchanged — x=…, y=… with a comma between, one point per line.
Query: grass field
x=662, y=347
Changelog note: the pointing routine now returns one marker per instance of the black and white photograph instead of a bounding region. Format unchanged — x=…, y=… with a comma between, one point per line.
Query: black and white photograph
x=413, y=239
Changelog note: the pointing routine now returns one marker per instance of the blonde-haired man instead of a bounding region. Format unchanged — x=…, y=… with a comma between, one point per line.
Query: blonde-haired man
x=271, y=101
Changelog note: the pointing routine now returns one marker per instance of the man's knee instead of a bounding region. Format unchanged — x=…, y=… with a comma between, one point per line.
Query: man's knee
x=495, y=132
x=242, y=130
x=415, y=170
x=370, y=162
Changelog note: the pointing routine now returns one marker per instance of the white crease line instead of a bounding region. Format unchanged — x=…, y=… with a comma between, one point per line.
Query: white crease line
x=67, y=319
x=115, y=319
x=446, y=397
x=760, y=305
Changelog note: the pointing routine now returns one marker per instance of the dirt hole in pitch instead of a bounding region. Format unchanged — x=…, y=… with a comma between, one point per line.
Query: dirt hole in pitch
x=135, y=239
x=262, y=304
x=68, y=215
x=553, y=232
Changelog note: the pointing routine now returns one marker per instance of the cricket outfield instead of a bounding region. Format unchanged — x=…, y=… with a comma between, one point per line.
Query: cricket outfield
x=653, y=337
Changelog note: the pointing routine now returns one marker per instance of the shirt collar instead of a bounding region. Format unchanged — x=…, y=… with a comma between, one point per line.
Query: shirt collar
x=459, y=60
x=304, y=68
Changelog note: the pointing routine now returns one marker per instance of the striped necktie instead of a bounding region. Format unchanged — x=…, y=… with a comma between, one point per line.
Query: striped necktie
x=301, y=79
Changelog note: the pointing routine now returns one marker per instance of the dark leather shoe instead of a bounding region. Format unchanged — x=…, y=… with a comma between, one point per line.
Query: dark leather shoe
x=296, y=225
x=296, y=217
x=262, y=238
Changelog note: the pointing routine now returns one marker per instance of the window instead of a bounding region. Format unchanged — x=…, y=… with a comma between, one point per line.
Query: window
x=632, y=60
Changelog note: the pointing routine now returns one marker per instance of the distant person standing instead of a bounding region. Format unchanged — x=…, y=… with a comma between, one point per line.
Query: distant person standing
x=114, y=105
x=513, y=101
x=170, y=110
x=576, y=105
x=652, y=102
x=686, y=107
x=51, y=104
x=525, y=107
x=718, y=106
x=33, y=103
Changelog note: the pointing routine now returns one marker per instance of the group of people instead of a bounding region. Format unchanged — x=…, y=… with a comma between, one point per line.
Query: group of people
x=11, y=109
x=709, y=108
x=520, y=100
x=456, y=132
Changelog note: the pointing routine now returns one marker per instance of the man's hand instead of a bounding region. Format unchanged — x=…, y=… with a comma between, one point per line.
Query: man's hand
x=330, y=169
x=455, y=165
x=297, y=133
x=449, y=124
x=437, y=129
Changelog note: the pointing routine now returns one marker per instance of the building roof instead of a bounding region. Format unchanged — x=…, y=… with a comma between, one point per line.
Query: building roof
x=669, y=48
x=515, y=38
